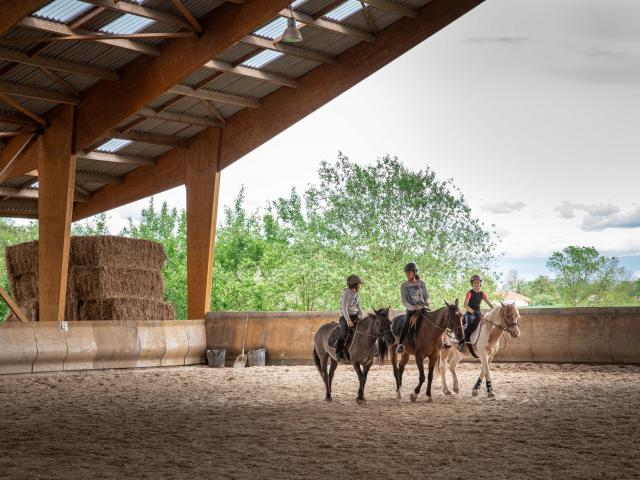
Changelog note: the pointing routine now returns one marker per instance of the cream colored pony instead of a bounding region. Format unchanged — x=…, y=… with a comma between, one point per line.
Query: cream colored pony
x=501, y=319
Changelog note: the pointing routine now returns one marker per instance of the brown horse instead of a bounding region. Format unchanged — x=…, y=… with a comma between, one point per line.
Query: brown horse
x=427, y=342
x=371, y=335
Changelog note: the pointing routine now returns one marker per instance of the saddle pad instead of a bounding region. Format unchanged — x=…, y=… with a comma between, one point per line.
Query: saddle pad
x=333, y=336
x=476, y=333
x=396, y=325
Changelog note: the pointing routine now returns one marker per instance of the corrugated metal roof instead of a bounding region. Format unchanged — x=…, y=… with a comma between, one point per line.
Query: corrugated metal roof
x=62, y=11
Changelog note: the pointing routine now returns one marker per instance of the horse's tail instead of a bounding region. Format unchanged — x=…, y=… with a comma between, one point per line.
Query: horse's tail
x=383, y=349
x=316, y=359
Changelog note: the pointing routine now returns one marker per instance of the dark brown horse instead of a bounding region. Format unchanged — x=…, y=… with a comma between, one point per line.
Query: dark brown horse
x=371, y=335
x=427, y=342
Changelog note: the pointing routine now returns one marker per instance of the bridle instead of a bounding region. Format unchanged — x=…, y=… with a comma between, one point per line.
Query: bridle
x=509, y=327
x=448, y=330
x=356, y=332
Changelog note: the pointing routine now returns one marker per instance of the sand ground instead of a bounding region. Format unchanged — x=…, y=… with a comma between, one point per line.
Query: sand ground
x=548, y=421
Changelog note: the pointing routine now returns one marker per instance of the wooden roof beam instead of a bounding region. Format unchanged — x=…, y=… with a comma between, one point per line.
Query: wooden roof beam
x=393, y=7
x=282, y=108
x=37, y=93
x=141, y=11
x=152, y=138
x=17, y=120
x=32, y=193
x=179, y=117
x=288, y=49
x=60, y=65
x=329, y=25
x=87, y=177
x=214, y=96
x=62, y=29
x=10, y=213
x=146, y=79
x=252, y=73
x=12, y=12
x=11, y=153
x=184, y=11
x=115, y=158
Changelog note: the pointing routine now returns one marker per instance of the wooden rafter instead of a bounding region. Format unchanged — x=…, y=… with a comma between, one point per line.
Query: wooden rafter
x=88, y=177
x=214, y=96
x=393, y=7
x=179, y=117
x=66, y=86
x=187, y=15
x=152, y=138
x=214, y=111
x=18, y=106
x=90, y=15
x=141, y=11
x=252, y=73
x=12, y=152
x=37, y=93
x=282, y=108
x=17, y=120
x=328, y=25
x=288, y=49
x=97, y=37
x=62, y=29
x=33, y=193
x=367, y=13
x=13, y=306
x=148, y=78
x=55, y=64
x=15, y=213
x=115, y=158
x=11, y=12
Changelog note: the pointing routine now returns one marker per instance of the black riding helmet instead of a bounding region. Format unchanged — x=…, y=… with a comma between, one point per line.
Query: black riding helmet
x=411, y=267
x=474, y=278
x=354, y=280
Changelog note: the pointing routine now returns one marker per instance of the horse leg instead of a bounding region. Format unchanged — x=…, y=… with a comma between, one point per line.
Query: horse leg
x=478, y=384
x=325, y=377
x=403, y=363
x=442, y=370
x=420, y=364
x=485, y=365
x=453, y=364
x=394, y=363
x=432, y=364
x=365, y=372
x=332, y=370
x=360, y=397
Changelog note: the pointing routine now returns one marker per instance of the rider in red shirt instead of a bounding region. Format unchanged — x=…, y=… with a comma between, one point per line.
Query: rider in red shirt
x=472, y=303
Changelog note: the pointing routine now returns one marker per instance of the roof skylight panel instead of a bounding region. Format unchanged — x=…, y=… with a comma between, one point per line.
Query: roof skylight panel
x=273, y=29
x=344, y=11
x=62, y=11
x=114, y=145
x=127, y=24
x=261, y=59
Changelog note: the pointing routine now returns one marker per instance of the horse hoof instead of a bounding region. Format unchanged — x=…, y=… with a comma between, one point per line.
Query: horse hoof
x=360, y=401
x=474, y=393
x=399, y=395
x=456, y=390
x=446, y=392
x=413, y=397
x=430, y=400
x=491, y=394
x=328, y=399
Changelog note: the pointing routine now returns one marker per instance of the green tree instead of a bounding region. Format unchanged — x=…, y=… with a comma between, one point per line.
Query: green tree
x=96, y=225
x=542, y=290
x=584, y=275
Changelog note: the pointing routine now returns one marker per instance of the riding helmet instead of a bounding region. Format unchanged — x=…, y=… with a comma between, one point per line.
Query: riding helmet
x=411, y=267
x=474, y=278
x=354, y=280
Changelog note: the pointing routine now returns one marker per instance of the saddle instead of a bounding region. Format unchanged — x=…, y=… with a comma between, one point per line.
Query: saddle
x=471, y=334
x=335, y=335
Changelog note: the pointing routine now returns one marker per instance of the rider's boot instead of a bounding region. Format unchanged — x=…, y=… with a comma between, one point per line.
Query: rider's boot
x=339, y=350
x=462, y=346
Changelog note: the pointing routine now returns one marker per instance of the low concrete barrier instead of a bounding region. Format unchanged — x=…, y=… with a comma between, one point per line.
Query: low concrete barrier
x=576, y=335
x=43, y=346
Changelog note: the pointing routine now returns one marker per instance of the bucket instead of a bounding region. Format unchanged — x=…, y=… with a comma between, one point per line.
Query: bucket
x=257, y=358
x=215, y=358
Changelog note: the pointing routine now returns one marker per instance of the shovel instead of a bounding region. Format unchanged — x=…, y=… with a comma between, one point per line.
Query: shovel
x=241, y=360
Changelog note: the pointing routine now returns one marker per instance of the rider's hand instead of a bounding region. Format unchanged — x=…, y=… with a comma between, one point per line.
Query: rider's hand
x=350, y=323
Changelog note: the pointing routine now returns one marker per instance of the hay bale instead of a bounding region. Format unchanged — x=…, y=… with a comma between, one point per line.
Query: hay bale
x=125, y=309
x=24, y=288
x=97, y=283
x=112, y=251
x=22, y=259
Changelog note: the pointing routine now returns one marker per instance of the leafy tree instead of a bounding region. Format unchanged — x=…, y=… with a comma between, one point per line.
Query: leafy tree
x=542, y=290
x=96, y=225
x=513, y=281
x=583, y=274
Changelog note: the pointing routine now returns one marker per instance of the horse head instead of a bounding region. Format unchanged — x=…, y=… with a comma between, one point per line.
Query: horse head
x=454, y=319
x=509, y=315
x=382, y=330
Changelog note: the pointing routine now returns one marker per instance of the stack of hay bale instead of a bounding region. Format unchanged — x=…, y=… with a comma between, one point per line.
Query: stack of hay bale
x=110, y=278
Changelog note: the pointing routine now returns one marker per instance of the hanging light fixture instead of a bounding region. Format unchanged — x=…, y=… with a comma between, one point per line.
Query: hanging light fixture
x=292, y=32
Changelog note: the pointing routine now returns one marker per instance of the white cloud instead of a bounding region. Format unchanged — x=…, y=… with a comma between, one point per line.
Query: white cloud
x=504, y=207
x=614, y=219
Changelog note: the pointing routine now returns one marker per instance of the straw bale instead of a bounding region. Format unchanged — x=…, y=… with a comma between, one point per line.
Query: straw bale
x=125, y=309
x=96, y=283
x=112, y=251
x=24, y=288
x=22, y=259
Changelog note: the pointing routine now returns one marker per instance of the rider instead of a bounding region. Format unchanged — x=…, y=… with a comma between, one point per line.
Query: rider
x=414, y=297
x=349, y=311
x=472, y=303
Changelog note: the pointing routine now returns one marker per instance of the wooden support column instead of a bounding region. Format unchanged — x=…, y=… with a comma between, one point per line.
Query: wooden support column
x=203, y=185
x=56, y=179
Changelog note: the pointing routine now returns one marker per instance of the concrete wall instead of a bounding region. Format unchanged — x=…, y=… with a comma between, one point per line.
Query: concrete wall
x=43, y=346
x=589, y=335
x=596, y=335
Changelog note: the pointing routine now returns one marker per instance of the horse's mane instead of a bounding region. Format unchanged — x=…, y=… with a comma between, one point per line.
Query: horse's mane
x=503, y=310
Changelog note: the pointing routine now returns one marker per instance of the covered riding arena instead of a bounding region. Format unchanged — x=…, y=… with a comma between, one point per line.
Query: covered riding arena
x=105, y=102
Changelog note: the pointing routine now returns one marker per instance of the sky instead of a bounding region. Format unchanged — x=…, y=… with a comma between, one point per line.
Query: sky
x=531, y=107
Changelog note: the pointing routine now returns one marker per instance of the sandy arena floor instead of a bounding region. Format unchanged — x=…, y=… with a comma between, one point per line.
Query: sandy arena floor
x=548, y=421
